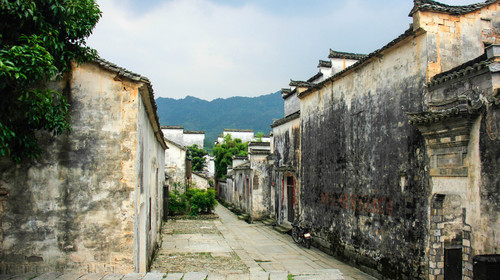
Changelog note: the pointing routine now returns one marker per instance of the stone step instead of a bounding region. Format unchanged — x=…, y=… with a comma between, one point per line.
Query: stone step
x=269, y=222
x=283, y=228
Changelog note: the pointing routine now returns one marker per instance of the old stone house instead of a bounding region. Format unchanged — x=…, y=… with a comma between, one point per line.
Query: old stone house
x=93, y=201
x=182, y=137
x=177, y=165
x=247, y=184
x=391, y=158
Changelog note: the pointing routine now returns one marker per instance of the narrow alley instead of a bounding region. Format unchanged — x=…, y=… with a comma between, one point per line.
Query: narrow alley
x=228, y=248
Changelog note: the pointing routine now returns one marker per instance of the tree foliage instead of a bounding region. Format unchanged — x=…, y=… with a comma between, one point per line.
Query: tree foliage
x=197, y=155
x=224, y=153
x=39, y=39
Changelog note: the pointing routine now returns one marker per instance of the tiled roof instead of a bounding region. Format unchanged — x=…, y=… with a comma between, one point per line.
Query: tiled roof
x=428, y=5
x=194, y=132
x=256, y=143
x=407, y=34
x=172, y=127
x=299, y=84
x=346, y=55
x=121, y=71
x=325, y=63
x=285, y=93
x=286, y=119
x=175, y=144
x=436, y=116
x=242, y=166
x=315, y=77
x=237, y=130
x=474, y=65
x=260, y=151
x=240, y=157
x=151, y=108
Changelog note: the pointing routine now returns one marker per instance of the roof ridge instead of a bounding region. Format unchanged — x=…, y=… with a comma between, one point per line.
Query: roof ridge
x=347, y=55
x=430, y=5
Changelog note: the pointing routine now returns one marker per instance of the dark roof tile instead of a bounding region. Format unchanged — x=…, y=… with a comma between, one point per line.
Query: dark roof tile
x=428, y=5
x=346, y=55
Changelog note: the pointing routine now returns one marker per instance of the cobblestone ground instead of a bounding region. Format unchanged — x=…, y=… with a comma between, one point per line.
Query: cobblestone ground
x=170, y=259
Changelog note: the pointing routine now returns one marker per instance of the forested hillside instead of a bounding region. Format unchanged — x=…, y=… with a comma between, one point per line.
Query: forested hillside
x=192, y=113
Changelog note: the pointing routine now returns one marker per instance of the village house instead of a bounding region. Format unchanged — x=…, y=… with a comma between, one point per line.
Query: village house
x=246, y=186
x=245, y=135
x=391, y=158
x=93, y=201
x=178, y=165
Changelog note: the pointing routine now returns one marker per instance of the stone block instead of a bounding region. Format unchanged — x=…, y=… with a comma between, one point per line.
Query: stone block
x=259, y=275
x=133, y=276
x=174, y=276
x=92, y=276
x=215, y=276
x=278, y=275
x=113, y=276
x=48, y=276
x=70, y=276
x=195, y=276
x=154, y=276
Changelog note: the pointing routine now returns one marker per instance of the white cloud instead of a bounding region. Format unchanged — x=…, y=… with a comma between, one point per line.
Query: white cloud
x=210, y=50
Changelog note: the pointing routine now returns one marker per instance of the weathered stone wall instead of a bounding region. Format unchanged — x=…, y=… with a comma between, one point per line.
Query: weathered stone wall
x=149, y=172
x=175, y=166
x=286, y=157
x=489, y=241
x=200, y=182
x=366, y=188
x=241, y=194
x=74, y=208
x=259, y=185
x=356, y=146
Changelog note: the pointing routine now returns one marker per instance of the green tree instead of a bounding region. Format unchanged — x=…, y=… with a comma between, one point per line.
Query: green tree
x=39, y=39
x=224, y=153
x=197, y=155
x=259, y=136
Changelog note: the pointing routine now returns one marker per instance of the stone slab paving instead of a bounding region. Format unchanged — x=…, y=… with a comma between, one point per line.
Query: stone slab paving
x=226, y=249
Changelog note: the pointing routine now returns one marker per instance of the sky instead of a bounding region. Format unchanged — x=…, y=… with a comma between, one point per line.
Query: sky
x=222, y=48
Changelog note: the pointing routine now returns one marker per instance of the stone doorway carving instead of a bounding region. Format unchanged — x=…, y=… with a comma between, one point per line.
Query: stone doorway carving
x=450, y=251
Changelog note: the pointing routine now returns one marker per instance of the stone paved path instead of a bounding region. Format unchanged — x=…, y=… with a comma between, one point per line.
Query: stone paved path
x=226, y=249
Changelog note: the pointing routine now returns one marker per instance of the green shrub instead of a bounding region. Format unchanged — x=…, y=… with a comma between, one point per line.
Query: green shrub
x=193, y=201
x=177, y=203
x=201, y=201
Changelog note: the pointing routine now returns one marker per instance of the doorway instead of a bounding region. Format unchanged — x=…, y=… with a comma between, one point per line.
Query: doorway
x=290, y=193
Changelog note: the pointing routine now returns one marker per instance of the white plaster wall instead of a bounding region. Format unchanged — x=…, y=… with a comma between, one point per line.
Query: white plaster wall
x=339, y=64
x=150, y=199
x=194, y=138
x=243, y=135
x=210, y=167
x=175, y=165
x=292, y=104
x=200, y=182
x=174, y=134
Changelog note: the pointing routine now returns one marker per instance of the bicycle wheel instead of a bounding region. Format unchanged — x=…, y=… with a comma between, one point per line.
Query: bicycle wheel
x=295, y=235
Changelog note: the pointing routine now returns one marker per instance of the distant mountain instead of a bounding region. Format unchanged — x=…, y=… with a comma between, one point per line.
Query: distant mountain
x=192, y=113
